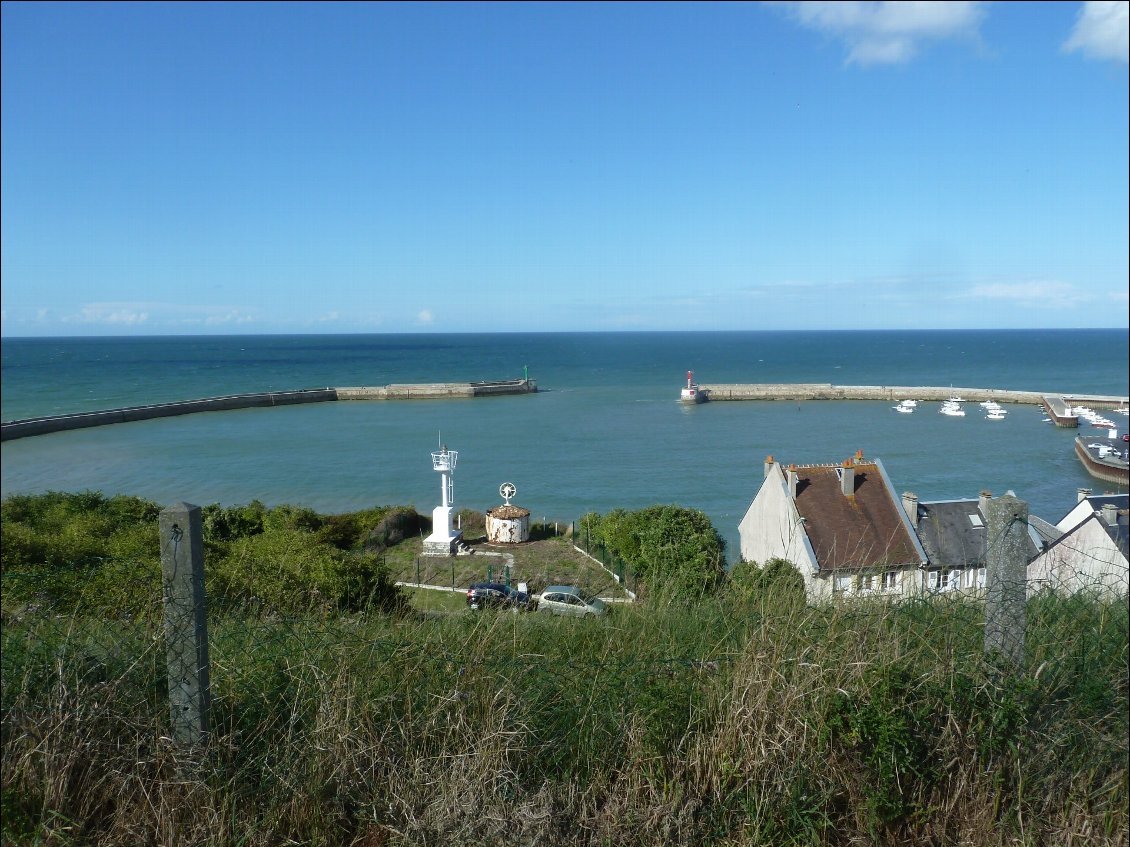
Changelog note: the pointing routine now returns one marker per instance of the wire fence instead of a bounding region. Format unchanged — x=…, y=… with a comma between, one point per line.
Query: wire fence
x=144, y=675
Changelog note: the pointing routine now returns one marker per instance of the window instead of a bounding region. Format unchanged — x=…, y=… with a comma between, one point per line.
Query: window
x=841, y=583
x=891, y=581
x=868, y=582
x=978, y=578
x=948, y=580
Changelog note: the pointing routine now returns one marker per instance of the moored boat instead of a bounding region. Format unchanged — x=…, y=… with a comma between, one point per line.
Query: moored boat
x=952, y=408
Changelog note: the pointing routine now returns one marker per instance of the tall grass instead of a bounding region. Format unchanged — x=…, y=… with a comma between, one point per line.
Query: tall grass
x=730, y=721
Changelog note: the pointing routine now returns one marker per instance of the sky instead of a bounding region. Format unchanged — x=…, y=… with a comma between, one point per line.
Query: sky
x=215, y=168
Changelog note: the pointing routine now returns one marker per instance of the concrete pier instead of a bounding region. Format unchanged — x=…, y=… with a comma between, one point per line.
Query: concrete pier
x=894, y=393
x=82, y=420
x=438, y=390
x=423, y=391
x=1109, y=464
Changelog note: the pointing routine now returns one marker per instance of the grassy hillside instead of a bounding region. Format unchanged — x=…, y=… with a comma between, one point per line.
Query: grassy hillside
x=742, y=718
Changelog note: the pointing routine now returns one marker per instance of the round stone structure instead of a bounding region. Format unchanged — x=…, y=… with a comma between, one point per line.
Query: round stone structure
x=508, y=524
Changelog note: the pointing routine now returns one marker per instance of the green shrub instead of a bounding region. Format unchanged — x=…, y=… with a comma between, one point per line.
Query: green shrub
x=674, y=551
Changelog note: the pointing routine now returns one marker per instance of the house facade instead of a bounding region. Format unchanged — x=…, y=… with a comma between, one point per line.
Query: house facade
x=954, y=534
x=841, y=524
x=1092, y=552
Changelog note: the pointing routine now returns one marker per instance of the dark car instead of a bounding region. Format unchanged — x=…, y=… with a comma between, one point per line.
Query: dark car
x=495, y=595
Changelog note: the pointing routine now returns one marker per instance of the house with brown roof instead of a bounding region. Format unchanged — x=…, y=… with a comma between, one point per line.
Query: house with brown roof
x=841, y=524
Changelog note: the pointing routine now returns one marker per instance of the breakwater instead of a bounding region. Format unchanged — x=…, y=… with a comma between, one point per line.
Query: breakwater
x=422, y=391
x=1104, y=458
x=1057, y=406
x=894, y=393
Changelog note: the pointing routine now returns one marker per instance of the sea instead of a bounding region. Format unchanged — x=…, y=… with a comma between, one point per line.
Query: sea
x=605, y=431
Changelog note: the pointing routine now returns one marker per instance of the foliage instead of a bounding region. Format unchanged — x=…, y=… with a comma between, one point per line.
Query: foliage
x=716, y=722
x=290, y=569
x=85, y=551
x=675, y=551
x=777, y=581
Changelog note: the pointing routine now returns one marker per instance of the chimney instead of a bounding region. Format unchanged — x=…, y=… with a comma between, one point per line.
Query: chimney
x=847, y=478
x=983, y=502
x=859, y=455
x=768, y=466
x=1110, y=514
x=792, y=482
x=1083, y=494
x=910, y=506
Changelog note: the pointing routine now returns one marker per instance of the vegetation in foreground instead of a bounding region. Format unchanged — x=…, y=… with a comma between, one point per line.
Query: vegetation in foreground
x=741, y=716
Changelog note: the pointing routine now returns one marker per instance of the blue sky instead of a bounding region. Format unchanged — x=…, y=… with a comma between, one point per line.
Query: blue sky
x=259, y=168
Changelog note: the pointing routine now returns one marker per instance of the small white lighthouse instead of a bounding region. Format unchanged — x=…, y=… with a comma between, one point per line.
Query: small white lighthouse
x=443, y=541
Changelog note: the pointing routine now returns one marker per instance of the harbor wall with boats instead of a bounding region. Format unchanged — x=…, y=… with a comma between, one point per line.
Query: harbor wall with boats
x=418, y=391
x=1062, y=409
x=829, y=391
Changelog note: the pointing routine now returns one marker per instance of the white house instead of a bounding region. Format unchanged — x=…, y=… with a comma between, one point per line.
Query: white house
x=841, y=524
x=1091, y=554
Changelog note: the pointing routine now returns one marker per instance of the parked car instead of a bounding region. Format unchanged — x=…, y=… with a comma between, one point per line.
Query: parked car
x=569, y=600
x=496, y=595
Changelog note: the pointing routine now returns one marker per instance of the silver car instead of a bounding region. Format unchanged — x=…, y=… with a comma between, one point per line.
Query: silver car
x=569, y=600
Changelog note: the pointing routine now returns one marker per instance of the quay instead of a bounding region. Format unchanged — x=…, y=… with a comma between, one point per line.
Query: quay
x=422, y=391
x=1058, y=406
x=1104, y=458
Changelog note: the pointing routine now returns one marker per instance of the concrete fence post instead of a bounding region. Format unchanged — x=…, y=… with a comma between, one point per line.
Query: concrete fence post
x=186, y=624
x=1006, y=572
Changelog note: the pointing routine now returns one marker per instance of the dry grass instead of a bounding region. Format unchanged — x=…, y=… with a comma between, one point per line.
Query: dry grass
x=716, y=724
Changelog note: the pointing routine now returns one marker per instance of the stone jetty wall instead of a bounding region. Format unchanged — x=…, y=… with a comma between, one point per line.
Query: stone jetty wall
x=81, y=420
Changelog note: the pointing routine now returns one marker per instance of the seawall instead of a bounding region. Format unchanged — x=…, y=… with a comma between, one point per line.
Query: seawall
x=1057, y=406
x=893, y=393
x=438, y=390
x=1110, y=468
x=81, y=420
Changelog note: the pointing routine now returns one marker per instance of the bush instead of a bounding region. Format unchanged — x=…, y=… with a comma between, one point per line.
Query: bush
x=777, y=582
x=86, y=553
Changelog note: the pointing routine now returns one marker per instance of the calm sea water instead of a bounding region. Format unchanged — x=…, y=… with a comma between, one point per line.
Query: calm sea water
x=605, y=431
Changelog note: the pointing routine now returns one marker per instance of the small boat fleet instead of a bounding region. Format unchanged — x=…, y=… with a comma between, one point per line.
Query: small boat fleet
x=1093, y=417
x=993, y=411
x=953, y=408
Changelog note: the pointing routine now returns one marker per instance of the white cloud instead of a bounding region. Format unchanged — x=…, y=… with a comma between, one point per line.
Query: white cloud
x=112, y=314
x=1102, y=31
x=1038, y=293
x=231, y=316
x=155, y=315
x=424, y=316
x=888, y=32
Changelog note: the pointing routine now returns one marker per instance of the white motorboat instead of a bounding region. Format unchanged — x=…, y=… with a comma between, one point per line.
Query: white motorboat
x=901, y=409
x=911, y=403
x=952, y=409
x=996, y=415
